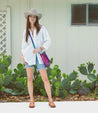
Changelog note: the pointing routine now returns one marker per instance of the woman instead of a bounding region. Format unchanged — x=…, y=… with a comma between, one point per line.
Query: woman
x=31, y=56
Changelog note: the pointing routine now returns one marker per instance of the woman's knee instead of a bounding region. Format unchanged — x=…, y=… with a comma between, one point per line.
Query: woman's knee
x=30, y=78
x=45, y=79
x=29, y=74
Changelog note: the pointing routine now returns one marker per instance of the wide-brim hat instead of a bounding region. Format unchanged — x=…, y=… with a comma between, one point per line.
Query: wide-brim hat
x=33, y=11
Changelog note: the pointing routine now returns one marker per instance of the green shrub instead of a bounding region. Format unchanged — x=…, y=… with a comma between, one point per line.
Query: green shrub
x=61, y=83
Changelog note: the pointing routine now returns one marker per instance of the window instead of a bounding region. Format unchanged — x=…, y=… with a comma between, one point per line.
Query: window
x=93, y=14
x=79, y=15
x=84, y=14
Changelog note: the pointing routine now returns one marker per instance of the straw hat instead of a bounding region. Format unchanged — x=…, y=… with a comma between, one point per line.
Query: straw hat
x=33, y=11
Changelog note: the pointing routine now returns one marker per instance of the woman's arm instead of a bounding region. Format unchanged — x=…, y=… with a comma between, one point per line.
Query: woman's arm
x=47, y=41
x=22, y=48
x=46, y=38
x=22, y=58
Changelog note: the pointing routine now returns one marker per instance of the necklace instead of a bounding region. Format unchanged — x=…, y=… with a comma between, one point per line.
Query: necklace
x=32, y=34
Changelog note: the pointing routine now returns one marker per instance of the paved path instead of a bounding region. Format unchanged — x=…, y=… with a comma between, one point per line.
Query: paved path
x=42, y=107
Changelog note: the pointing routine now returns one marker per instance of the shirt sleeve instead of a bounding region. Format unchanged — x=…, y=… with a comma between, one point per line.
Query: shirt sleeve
x=23, y=46
x=46, y=38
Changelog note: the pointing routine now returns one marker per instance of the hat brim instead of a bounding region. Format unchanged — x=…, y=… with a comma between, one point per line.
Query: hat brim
x=26, y=14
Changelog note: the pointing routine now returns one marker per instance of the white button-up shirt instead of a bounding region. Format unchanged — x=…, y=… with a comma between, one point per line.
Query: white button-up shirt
x=42, y=39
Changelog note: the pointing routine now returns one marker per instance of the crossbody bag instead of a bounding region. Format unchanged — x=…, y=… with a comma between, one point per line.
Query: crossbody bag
x=43, y=55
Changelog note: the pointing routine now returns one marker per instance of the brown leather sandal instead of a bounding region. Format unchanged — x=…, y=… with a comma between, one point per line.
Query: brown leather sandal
x=32, y=105
x=51, y=104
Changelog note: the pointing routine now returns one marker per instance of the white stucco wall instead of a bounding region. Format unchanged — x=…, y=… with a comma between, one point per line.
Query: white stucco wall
x=71, y=45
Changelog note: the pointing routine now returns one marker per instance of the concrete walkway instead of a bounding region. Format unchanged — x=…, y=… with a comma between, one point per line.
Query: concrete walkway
x=42, y=107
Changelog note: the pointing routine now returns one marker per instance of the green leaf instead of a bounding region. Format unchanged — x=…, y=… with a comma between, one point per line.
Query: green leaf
x=1, y=82
x=56, y=67
x=90, y=67
x=94, y=71
x=7, y=80
x=2, y=67
x=72, y=76
x=96, y=91
x=62, y=94
x=91, y=77
x=50, y=77
x=57, y=84
x=8, y=90
x=3, y=88
x=92, y=85
x=19, y=85
x=20, y=66
x=64, y=75
x=65, y=84
x=83, y=69
x=75, y=84
x=53, y=72
x=72, y=91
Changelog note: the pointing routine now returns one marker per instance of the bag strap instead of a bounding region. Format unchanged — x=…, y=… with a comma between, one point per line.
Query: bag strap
x=32, y=40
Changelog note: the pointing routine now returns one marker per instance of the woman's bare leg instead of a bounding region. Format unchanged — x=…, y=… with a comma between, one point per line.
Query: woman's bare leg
x=44, y=76
x=30, y=82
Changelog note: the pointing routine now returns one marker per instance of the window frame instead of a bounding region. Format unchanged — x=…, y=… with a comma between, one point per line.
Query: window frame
x=87, y=14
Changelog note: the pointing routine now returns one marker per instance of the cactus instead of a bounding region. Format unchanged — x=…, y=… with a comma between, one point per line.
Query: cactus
x=92, y=85
x=65, y=84
x=83, y=91
x=88, y=70
x=91, y=77
x=96, y=92
x=8, y=72
x=7, y=90
x=20, y=67
x=1, y=82
x=20, y=70
x=19, y=85
x=2, y=68
x=64, y=75
x=72, y=91
x=2, y=88
x=82, y=68
x=43, y=92
x=7, y=80
x=62, y=93
x=90, y=66
x=15, y=91
x=5, y=61
x=57, y=85
x=56, y=72
x=76, y=84
x=56, y=67
x=72, y=76
x=53, y=72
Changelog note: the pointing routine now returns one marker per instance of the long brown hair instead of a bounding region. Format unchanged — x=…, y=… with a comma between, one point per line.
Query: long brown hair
x=37, y=25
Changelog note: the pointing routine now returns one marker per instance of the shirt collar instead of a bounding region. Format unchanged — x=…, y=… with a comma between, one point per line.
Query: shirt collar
x=33, y=32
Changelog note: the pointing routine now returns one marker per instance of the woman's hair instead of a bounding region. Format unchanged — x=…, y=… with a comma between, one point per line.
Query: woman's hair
x=37, y=25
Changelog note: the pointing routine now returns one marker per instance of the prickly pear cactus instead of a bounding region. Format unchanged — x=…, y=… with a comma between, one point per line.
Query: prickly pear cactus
x=72, y=76
x=66, y=84
x=76, y=84
x=83, y=69
x=88, y=69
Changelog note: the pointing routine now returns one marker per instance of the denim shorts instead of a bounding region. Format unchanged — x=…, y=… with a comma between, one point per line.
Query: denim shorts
x=39, y=66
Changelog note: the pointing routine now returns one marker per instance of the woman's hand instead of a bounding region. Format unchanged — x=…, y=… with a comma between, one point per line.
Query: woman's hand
x=22, y=58
x=36, y=50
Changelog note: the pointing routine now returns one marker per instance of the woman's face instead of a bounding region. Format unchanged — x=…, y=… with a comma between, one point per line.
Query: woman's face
x=32, y=19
